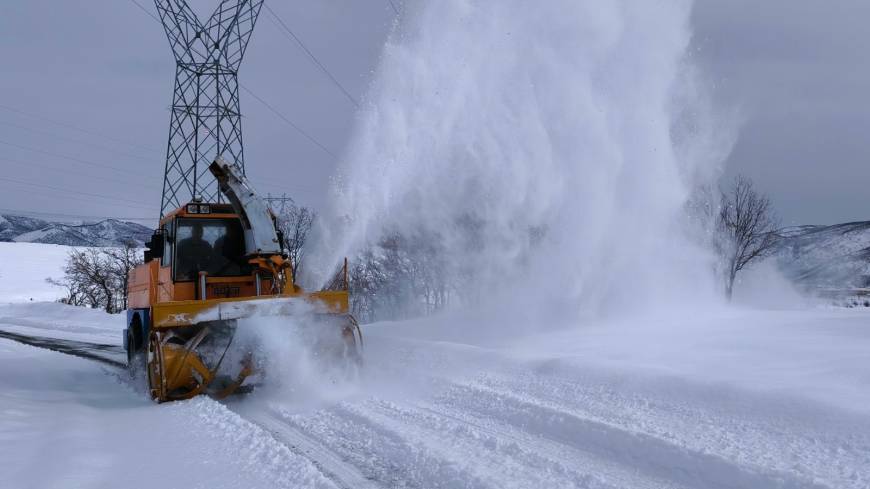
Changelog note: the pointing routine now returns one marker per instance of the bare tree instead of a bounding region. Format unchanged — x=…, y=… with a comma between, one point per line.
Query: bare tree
x=399, y=277
x=88, y=272
x=367, y=279
x=120, y=262
x=98, y=278
x=74, y=296
x=747, y=227
x=295, y=223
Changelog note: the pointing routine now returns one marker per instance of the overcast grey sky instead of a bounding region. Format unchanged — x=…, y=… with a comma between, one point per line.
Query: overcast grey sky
x=800, y=73
x=797, y=70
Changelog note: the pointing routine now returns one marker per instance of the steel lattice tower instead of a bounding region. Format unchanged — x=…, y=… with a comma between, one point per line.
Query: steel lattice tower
x=205, y=120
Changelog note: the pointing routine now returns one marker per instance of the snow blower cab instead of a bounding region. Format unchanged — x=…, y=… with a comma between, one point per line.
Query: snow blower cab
x=208, y=266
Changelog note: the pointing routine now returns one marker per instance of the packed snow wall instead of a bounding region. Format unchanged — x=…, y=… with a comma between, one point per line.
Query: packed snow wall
x=545, y=150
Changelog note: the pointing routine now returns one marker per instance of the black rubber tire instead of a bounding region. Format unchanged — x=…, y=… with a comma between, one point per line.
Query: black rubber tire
x=153, y=371
x=131, y=347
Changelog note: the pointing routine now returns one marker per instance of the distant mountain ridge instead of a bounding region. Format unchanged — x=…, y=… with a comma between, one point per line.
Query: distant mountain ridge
x=833, y=260
x=817, y=257
x=108, y=232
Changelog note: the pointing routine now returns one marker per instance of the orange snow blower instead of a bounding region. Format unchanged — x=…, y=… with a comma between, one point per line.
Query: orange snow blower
x=208, y=266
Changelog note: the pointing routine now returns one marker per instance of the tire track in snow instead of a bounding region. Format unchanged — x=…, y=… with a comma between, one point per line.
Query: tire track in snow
x=386, y=455
x=567, y=455
x=490, y=459
x=89, y=351
x=534, y=454
x=253, y=447
x=767, y=435
x=658, y=457
x=330, y=463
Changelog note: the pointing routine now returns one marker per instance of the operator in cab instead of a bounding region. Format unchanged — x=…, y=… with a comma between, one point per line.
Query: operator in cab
x=194, y=252
x=229, y=251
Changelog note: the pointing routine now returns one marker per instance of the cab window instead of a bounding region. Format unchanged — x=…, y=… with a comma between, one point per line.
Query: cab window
x=215, y=246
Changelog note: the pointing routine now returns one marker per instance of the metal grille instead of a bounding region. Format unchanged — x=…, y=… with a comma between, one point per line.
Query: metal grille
x=206, y=120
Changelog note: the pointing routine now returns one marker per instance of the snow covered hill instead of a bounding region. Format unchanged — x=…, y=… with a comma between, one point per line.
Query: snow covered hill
x=108, y=232
x=831, y=260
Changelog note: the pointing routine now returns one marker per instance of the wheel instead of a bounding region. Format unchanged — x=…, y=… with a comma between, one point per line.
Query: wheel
x=135, y=357
x=352, y=335
x=135, y=349
x=154, y=368
x=131, y=353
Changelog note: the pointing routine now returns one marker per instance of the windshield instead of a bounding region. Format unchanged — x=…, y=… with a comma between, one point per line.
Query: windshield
x=216, y=246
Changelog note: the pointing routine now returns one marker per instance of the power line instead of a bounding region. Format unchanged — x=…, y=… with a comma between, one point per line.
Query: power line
x=77, y=141
x=87, y=175
x=288, y=121
x=71, y=158
x=53, y=195
x=282, y=201
x=276, y=186
x=87, y=162
x=74, y=127
x=35, y=193
x=91, y=163
x=279, y=22
x=145, y=10
x=391, y=5
x=51, y=187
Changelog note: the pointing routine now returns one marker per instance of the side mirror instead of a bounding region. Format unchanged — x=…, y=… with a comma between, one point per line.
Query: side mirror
x=155, y=246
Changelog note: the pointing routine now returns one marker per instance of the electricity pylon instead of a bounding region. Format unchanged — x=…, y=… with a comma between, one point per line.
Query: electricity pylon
x=205, y=120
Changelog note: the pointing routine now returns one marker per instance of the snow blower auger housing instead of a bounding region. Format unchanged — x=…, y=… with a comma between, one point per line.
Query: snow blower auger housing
x=207, y=266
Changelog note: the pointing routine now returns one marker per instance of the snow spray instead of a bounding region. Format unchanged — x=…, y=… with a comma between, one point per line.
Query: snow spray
x=548, y=147
x=297, y=352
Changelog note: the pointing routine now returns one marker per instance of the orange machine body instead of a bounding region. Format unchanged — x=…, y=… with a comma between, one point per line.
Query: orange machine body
x=174, y=308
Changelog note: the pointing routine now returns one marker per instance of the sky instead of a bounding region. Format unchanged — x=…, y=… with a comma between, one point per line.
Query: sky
x=86, y=87
x=798, y=73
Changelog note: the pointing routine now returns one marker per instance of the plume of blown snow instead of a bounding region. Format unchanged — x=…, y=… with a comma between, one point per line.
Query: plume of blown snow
x=544, y=146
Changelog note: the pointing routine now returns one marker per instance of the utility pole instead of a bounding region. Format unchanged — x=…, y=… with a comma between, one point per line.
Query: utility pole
x=206, y=119
x=279, y=204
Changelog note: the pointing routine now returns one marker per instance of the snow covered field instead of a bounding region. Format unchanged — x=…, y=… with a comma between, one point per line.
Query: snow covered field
x=24, y=268
x=744, y=398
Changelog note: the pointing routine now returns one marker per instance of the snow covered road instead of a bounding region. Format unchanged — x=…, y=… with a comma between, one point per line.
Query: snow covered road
x=570, y=409
x=71, y=423
x=438, y=414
